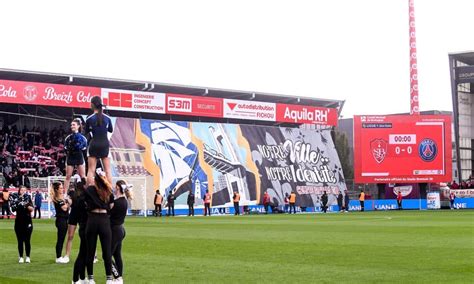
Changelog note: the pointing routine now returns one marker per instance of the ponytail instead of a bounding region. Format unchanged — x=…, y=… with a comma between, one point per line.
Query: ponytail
x=96, y=103
x=125, y=189
x=103, y=187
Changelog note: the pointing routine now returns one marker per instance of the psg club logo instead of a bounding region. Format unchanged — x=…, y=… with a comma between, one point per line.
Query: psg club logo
x=30, y=93
x=427, y=150
x=378, y=148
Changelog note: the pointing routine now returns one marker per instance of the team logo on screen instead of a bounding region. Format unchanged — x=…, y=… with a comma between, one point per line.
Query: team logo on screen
x=378, y=148
x=427, y=150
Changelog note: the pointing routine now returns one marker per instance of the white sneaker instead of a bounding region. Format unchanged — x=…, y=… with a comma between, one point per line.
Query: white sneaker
x=28, y=260
x=91, y=281
x=109, y=282
x=65, y=259
x=21, y=260
x=59, y=260
x=119, y=280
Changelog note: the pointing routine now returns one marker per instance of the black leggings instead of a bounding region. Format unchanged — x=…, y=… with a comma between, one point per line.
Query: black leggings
x=61, y=225
x=118, y=234
x=80, y=263
x=98, y=225
x=23, y=233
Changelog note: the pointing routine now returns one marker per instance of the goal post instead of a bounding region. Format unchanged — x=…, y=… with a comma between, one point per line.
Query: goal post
x=136, y=207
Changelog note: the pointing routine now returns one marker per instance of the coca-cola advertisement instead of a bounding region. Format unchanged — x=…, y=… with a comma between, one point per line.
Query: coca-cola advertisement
x=32, y=93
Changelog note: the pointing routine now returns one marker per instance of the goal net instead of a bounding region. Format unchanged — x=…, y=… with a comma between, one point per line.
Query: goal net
x=136, y=206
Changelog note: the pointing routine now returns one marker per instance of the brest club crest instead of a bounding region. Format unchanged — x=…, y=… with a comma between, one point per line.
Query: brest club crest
x=378, y=148
x=30, y=93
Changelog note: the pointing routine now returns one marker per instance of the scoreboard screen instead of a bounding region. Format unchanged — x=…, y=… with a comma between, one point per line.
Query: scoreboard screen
x=402, y=149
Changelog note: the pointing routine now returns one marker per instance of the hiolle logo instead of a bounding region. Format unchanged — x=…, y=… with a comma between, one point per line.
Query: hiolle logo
x=179, y=104
x=30, y=93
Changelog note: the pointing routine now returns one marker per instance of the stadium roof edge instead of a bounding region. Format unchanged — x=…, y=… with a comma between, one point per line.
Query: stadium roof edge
x=151, y=86
x=467, y=56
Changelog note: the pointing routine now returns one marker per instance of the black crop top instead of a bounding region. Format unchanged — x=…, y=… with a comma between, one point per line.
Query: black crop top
x=93, y=200
x=60, y=213
x=119, y=211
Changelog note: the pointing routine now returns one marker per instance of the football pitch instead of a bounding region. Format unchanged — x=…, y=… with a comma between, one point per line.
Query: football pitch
x=371, y=247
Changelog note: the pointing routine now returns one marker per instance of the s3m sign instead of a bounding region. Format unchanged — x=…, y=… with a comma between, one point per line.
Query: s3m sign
x=179, y=104
x=193, y=105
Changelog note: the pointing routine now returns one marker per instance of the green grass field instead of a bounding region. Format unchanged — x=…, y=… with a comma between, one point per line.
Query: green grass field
x=408, y=246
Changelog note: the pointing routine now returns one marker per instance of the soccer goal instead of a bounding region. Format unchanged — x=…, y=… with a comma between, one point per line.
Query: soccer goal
x=136, y=207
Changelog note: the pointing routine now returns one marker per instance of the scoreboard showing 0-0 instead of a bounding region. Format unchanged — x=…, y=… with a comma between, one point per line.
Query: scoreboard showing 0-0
x=402, y=149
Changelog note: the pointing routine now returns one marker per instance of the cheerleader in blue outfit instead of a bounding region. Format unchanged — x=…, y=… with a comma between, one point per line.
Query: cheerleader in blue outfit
x=74, y=145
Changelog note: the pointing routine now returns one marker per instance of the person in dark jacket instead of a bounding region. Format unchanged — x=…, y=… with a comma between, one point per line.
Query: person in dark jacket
x=346, y=200
x=38, y=200
x=339, y=201
x=399, y=200
x=170, y=201
x=190, y=202
x=23, y=206
x=324, y=201
x=266, y=201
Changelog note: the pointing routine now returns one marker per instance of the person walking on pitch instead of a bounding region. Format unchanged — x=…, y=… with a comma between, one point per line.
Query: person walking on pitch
x=158, y=202
x=362, y=200
x=236, y=199
x=207, y=203
x=292, y=202
x=190, y=202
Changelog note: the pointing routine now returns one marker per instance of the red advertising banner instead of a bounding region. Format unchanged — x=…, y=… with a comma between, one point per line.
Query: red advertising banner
x=32, y=93
x=135, y=101
x=193, y=105
x=402, y=149
x=306, y=114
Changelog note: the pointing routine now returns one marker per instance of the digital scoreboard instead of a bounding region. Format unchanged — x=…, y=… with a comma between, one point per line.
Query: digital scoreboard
x=402, y=149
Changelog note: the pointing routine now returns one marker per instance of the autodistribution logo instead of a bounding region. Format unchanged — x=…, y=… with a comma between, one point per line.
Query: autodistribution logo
x=242, y=109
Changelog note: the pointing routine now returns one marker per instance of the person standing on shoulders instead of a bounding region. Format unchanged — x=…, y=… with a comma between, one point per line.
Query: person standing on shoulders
x=452, y=197
x=236, y=199
x=98, y=125
x=190, y=202
x=38, y=200
x=207, y=203
x=324, y=201
x=170, y=201
x=339, y=201
x=23, y=206
x=399, y=200
x=158, y=202
x=362, y=200
x=346, y=200
x=292, y=202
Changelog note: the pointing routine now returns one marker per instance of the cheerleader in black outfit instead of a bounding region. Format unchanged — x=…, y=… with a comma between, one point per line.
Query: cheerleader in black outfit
x=117, y=218
x=22, y=204
x=98, y=125
x=80, y=212
x=61, y=206
x=99, y=199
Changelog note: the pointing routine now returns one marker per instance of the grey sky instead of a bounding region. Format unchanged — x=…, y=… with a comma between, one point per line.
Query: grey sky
x=344, y=49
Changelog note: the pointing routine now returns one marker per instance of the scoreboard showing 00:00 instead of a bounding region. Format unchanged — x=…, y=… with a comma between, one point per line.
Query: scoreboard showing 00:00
x=391, y=149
